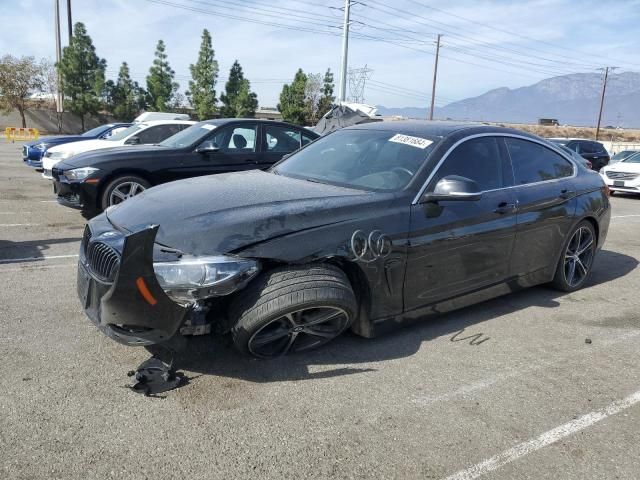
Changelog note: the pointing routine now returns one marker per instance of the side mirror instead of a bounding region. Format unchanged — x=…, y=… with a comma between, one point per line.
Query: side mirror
x=133, y=141
x=208, y=146
x=453, y=188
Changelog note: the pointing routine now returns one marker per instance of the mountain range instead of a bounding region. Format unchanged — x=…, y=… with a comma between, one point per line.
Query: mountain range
x=571, y=99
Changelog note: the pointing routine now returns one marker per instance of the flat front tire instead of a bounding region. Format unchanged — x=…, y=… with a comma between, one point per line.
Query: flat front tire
x=576, y=259
x=292, y=309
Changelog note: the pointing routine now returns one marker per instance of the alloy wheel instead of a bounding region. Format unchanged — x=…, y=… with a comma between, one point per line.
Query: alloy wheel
x=578, y=256
x=298, y=331
x=123, y=191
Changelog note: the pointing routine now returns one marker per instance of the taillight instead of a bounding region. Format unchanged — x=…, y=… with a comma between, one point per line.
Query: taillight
x=589, y=164
x=606, y=190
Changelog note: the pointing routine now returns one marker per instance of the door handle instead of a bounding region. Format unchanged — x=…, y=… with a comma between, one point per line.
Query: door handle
x=505, y=207
x=566, y=193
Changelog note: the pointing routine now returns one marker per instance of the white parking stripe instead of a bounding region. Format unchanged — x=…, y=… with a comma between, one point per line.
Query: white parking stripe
x=48, y=201
x=545, y=439
x=19, y=224
x=624, y=216
x=33, y=259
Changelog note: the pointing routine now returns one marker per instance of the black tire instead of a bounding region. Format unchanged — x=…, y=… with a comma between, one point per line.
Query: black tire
x=275, y=314
x=565, y=280
x=105, y=199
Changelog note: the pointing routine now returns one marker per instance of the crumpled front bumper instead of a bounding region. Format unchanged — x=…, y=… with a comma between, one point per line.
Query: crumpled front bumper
x=118, y=289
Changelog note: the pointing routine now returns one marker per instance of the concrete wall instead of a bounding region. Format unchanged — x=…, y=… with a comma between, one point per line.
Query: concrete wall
x=46, y=122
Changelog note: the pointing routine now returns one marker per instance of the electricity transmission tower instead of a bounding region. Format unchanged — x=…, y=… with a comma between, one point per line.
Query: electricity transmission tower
x=357, y=79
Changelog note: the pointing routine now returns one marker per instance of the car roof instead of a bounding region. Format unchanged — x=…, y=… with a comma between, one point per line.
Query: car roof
x=432, y=128
x=151, y=123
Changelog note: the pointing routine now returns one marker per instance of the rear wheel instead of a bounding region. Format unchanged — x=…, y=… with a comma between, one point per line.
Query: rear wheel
x=121, y=189
x=292, y=309
x=577, y=258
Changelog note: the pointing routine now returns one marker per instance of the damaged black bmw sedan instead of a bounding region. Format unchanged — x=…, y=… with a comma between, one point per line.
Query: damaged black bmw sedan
x=367, y=228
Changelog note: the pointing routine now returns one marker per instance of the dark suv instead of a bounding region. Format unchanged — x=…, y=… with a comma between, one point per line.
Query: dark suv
x=589, y=149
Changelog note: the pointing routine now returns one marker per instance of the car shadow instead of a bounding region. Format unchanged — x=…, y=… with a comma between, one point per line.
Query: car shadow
x=29, y=251
x=217, y=356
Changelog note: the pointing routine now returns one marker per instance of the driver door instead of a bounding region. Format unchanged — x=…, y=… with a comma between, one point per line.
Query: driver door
x=457, y=246
x=237, y=150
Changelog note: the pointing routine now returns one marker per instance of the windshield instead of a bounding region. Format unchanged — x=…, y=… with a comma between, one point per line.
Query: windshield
x=618, y=157
x=94, y=132
x=188, y=136
x=635, y=158
x=359, y=158
x=121, y=135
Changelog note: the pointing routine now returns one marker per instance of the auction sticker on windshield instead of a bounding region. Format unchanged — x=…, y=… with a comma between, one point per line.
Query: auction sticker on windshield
x=412, y=141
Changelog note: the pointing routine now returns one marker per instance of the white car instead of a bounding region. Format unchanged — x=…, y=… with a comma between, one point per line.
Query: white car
x=623, y=176
x=142, y=133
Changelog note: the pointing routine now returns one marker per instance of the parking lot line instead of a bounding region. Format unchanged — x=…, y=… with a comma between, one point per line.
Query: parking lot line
x=33, y=259
x=624, y=216
x=19, y=224
x=545, y=439
x=37, y=266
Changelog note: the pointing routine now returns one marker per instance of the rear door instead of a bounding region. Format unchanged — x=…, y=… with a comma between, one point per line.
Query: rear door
x=238, y=150
x=460, y=246
x=546, y=204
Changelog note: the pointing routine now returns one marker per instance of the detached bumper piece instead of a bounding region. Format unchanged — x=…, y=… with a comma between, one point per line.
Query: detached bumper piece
x=154, y=376
x=119, y=290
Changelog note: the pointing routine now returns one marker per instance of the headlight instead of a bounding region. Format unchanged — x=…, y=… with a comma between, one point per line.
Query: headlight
x=78, y=174
x=195, y=278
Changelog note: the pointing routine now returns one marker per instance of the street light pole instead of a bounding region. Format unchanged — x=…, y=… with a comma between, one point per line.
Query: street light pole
x=435, y=76
x=70, y=24
x=59, y=99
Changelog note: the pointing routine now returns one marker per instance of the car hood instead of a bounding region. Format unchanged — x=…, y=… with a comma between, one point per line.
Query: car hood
x=623, y=167
x=83, y=146
x=55, y=140
x=225, y=213
x=105, y=155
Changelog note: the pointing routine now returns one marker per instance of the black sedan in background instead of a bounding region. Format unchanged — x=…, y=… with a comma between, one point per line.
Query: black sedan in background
x=587, y=149
x=94, y=181
x=368, y=227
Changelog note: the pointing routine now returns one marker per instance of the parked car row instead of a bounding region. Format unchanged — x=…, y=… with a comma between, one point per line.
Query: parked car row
x=368, y=227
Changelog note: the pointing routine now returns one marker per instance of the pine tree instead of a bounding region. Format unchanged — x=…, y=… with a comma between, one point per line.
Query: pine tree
x=125, y=95
x=327, y=99
x=82, y=74
x=238, y=100
x=202, y=93
x=160, y=85
x=293, y=105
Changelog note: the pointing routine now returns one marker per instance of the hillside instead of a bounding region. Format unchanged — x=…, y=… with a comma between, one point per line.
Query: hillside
x=572, y=99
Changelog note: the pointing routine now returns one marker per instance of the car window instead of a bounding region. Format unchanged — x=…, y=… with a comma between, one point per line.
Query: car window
x=113, y=132
x=586, y=147
x=598, y=148
x=533, y=162
x=280, y=139
x=240, y=139
x=478, y=159
x=158, y=133
x=573, y=146
x=121, y=135
x=307, y=139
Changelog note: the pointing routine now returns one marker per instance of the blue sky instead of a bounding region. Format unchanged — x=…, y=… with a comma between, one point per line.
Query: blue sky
x=486, y=44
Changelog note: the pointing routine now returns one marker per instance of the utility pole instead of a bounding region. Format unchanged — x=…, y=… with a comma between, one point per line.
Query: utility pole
x=70, y=24
x=604, y=89
x=59, y=99
x=435, y=76
x=345, y=48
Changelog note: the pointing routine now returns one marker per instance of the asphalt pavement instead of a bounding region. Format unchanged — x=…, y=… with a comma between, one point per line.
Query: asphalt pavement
x=535, y=385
